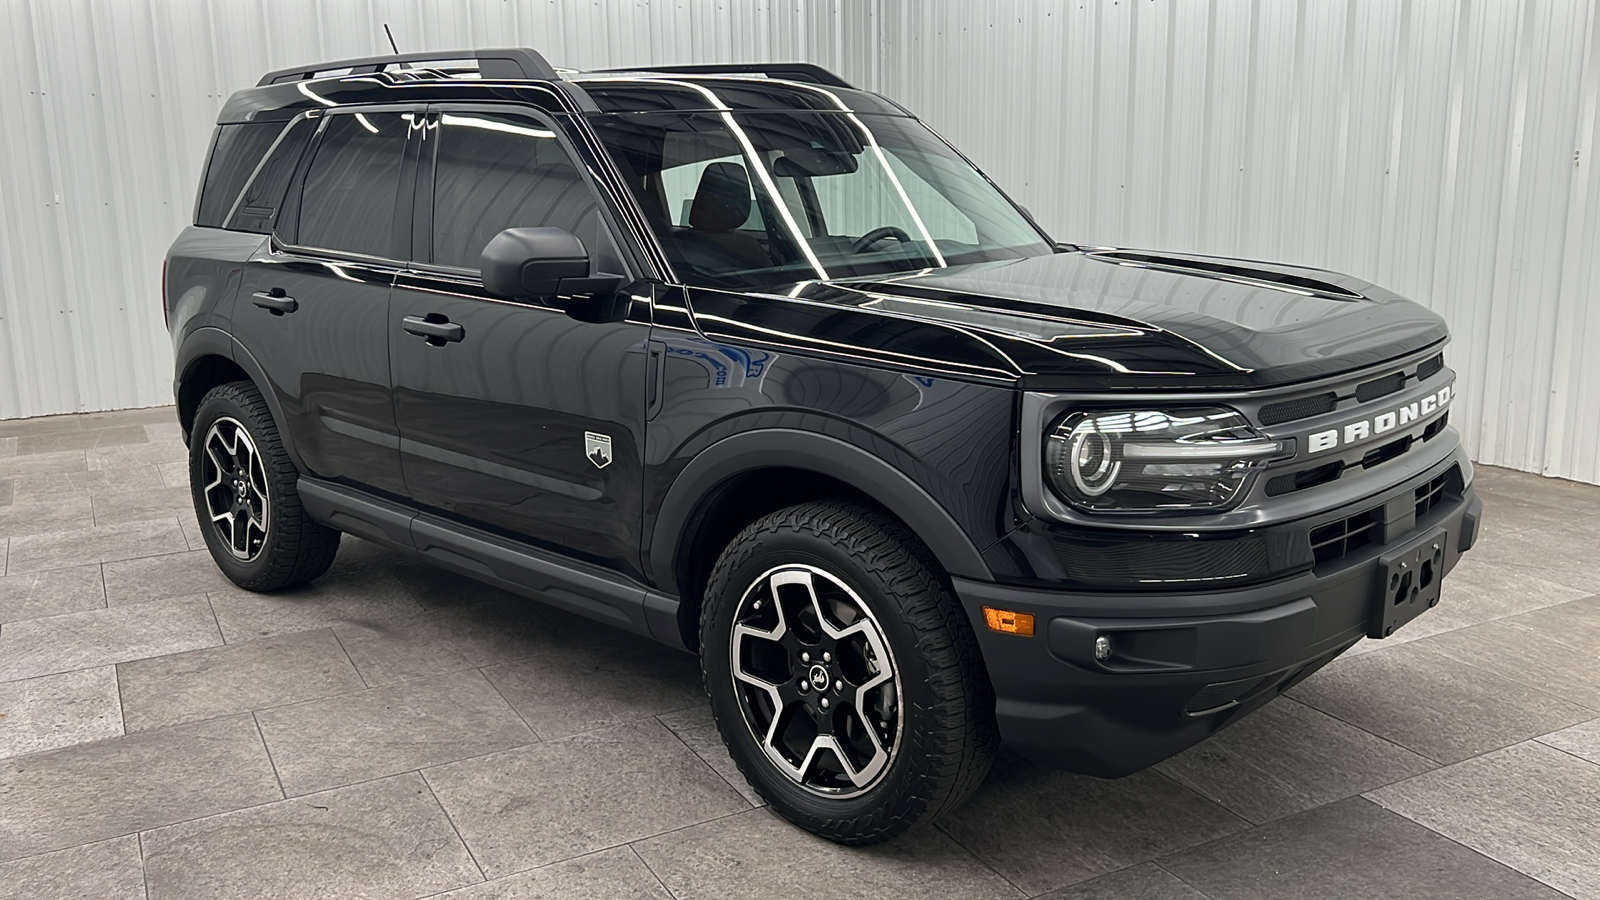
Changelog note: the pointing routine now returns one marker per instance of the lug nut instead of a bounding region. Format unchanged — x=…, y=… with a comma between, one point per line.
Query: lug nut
x=804, y=685
x=826, y=656
x=824, y=702
x=839, y=685
x=805, y=657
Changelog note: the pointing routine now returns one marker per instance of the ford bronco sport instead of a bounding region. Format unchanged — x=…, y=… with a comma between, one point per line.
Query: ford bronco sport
x=751, y=362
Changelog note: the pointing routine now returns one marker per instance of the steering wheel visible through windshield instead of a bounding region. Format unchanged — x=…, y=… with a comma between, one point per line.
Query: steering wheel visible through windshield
x=751, y=199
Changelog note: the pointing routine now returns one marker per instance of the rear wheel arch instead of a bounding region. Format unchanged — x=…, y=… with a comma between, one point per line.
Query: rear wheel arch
x=209, y=358
x=748, y=475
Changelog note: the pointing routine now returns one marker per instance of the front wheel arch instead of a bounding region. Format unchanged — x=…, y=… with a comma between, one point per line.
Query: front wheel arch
x=837, y=468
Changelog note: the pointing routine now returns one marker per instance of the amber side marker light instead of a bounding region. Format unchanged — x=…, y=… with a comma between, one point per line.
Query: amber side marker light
x=1009, y=622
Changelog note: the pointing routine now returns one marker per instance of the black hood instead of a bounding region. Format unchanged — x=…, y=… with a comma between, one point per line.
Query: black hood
x=1120, y=318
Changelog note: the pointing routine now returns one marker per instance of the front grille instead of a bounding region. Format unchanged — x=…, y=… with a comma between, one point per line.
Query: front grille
x=1154, y=562
x=1340, y=538
x=1365, y=392
x=1380, y=387
x=1437, y=491
x=1380, y=455
x=1301, y=408
x=1289, y=482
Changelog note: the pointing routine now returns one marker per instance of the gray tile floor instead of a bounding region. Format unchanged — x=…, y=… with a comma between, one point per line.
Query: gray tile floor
x=395, y=732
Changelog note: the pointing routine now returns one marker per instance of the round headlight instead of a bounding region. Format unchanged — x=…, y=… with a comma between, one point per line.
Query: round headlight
x=1092, y=469
x=1196, y=460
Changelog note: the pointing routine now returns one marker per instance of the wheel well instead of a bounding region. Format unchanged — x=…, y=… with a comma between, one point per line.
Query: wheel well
x=726, y=510
x=202, y=375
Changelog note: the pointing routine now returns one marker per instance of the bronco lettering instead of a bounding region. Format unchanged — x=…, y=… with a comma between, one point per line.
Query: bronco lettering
x=1358, y=431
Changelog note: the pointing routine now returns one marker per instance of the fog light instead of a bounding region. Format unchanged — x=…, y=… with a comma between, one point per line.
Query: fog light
x=1102, y=648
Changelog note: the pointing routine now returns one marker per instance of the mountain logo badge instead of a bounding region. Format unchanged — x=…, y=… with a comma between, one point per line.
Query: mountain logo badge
x=598, y=448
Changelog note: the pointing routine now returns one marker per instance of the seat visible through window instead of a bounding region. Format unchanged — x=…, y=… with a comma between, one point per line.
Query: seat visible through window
x=721, y=205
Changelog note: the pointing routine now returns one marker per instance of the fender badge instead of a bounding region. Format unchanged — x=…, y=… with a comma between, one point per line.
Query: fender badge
x=598, y=448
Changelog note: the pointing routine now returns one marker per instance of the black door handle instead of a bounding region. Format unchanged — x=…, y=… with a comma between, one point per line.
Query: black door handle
x=436, y=328
x=274, y=301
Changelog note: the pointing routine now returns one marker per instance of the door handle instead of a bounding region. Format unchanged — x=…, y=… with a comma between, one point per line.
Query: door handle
x=275, y=301
x=436, y=328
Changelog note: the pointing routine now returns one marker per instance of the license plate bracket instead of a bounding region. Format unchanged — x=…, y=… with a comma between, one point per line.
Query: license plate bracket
x=1408, y=582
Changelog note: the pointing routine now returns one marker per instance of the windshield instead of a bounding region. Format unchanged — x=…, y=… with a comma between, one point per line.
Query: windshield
x=749, y=199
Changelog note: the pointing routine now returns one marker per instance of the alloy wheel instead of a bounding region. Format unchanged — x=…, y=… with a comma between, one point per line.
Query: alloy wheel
x=816, y=680
x=235, y=488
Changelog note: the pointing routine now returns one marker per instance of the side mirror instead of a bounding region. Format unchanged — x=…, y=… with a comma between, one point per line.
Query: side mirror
x=540, y=262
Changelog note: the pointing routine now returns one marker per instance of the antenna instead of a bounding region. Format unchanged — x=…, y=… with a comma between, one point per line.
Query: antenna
x=391, y=39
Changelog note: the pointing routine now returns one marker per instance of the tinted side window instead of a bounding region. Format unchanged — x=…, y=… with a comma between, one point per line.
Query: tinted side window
x=238, y=149
x=495, y=172
x=348, y=200
x=258, y=204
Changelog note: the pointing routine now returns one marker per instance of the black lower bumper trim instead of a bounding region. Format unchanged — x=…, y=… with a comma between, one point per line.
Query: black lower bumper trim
x=1180, y=666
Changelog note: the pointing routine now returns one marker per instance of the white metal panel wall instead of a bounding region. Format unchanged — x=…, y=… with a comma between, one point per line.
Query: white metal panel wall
x=1441, y=148
x=108, y=108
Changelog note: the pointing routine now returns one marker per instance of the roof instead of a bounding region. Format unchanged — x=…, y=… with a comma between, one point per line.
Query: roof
x=522, y=75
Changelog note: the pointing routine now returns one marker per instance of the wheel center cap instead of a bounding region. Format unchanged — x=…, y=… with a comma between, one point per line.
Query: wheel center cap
x=819, y=677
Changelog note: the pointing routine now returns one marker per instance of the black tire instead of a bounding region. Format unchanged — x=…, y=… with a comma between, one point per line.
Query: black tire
x=944, y=739
x=291, y=549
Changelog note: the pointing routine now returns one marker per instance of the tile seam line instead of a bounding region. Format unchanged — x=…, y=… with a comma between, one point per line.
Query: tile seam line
x=144, y=870
x=1469, y=848
x=696, y=754
x=422, y=770
x=1468, y=663
x=549, y=865
x=1518, y=681
x=261, y=736
x=1021, y=892
x=142, y=831
x=538, y=737
x=674, y=830
x=627, y=843
x=652, y=870
x=1541, y=742
x=1390, y=741
x=1184, y=881
x=342, y=649
x=454, y=828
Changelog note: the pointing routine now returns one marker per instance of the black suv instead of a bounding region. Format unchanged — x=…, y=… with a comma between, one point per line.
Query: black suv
x=751, y=362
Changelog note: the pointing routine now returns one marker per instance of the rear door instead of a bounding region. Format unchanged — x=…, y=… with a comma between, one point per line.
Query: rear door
x=314, y=302
x=529, y=422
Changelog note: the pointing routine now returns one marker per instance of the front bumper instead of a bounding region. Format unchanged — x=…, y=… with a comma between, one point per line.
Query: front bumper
x=1184, y=665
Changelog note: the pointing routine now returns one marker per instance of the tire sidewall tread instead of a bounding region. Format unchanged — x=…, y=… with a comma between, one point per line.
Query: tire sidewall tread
x=948, y=737
x=297, y=549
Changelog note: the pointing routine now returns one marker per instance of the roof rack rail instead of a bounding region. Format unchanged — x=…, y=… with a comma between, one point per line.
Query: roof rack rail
x=515, y=63
x=790, y=71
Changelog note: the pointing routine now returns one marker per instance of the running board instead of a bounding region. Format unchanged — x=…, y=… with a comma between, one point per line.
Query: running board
x=578, y=587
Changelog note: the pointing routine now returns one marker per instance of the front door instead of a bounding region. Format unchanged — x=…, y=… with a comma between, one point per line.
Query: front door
x=314, y=302
x=523, y=420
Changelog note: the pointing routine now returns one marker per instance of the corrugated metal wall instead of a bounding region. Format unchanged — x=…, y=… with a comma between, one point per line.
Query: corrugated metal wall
x=108, y=108
x=1439, y=147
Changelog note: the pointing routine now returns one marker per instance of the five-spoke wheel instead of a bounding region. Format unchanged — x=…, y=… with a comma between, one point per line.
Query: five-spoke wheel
x=246, y=494
x=842, y=673
x=235, y=486
x=817, y=680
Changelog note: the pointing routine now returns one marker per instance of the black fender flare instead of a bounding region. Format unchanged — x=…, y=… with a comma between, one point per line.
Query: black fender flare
x=209, y=341
x=794, y=449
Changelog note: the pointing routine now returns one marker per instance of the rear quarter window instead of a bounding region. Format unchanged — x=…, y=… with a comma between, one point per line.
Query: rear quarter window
x=243, y=185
